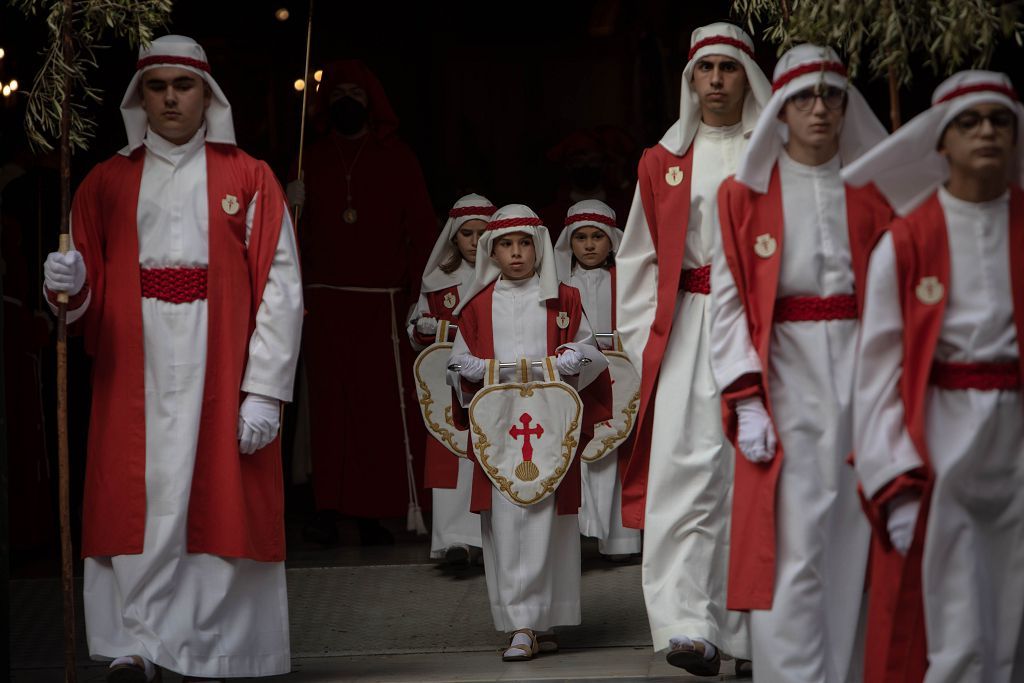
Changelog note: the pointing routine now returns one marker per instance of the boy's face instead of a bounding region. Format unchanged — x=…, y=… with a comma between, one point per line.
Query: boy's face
x=175, y=102
x=590, y=246
x=814, y=116
x=980, y=140
x=516, y=255
x=467, y=236
x=721, y=84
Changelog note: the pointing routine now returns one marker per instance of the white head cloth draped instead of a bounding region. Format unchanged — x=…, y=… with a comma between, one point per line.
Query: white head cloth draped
x=907, y=167
x=806, y=66
x=508, y=219
x=184, y=53
x=726, y=40
x=472, y=207
x=591, y=213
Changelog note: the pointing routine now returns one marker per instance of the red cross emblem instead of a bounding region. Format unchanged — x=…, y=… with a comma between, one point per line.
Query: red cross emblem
x=526, y=470
x=526, y=432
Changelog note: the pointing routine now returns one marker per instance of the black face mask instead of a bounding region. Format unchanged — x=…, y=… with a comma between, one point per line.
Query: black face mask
x=586, y=178
x=348, y=115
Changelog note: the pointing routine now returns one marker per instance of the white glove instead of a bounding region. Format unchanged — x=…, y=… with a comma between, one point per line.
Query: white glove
x=426, y=325
x=472, y=367
x=296, y=192
x=756, y=433
x=569, y=362
x=64, y=272
x=903, y=511
x=259, y=419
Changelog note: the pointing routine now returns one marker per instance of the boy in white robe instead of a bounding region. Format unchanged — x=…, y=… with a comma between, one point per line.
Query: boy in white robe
x=455, y=531
x=678, y=482
x=938, y=410
x=184, y=277
x=531, y=553
x=585, y=256
x=783, y=329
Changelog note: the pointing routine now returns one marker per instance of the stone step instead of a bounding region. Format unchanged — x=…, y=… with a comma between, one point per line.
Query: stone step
x=371, y=611
x=593, y=664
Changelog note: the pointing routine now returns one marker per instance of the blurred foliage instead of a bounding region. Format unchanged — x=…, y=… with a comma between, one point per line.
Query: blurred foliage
x=93, y=22
x=946, y=35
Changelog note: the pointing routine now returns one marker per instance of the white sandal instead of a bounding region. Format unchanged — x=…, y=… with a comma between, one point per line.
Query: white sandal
x=520, y=651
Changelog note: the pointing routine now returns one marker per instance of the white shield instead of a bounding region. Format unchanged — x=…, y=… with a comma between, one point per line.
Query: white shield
x=435, y=396
x=525, y=433
x=610, y=434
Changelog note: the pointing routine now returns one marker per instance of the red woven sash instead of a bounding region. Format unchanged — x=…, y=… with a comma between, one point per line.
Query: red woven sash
x=813, y=308
x=696, y=280
x=174, y=285
x=983, y=376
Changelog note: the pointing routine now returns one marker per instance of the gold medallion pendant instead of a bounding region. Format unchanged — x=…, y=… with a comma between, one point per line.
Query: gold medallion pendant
x=350, y=216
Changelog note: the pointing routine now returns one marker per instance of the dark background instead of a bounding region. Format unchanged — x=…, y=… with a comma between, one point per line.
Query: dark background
x=484, y=93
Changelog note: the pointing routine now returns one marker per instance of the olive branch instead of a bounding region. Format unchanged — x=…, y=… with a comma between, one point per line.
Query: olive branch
x=947, y=34
x=92, y=21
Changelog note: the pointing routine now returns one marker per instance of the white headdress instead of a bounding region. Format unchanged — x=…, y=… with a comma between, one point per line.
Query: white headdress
x=472, y=207
x=806, y=66
x=508, y=219
x=591, y=213
x=729, y=41
x=907, y=167
x=184, y=53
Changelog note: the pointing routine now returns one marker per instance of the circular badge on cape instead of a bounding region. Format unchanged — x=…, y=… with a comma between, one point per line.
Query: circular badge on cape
x=230, y=204
x=765, y=245
x=929, y=290
x=674, y=176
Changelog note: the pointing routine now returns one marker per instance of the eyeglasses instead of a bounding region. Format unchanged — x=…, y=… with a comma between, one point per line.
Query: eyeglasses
x=833, y=98
x=970, y=120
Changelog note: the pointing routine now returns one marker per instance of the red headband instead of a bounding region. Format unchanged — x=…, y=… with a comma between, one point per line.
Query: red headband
x=834, y=67
x=167, y=59
x=721, y=40
x=460, y=211
x=514, y=223
x=979, y=87
x=590, y=218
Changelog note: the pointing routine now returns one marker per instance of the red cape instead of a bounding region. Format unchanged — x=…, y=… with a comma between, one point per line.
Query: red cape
x=476, y=329
x=896, y=642
x=667, y=210
x=744, y=215
x=236, y=506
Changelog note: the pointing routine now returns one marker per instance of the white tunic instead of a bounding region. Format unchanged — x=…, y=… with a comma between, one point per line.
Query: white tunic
x=601, y=512
x=973, y=552
x=813, y=630
x=195, y=614
x=451, y=521
x=689, y=485
x=531, y=553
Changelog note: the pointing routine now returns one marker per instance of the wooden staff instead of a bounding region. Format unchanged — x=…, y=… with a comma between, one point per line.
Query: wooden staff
x=66, y=569
x=894, y=99
x=297, y=208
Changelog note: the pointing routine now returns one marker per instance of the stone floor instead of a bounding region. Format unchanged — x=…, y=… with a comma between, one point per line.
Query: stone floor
x=387, y=613
x=593, y=664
